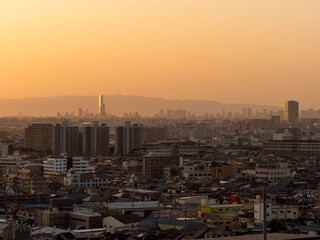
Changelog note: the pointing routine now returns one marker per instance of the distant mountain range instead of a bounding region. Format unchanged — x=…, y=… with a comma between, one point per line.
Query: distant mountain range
x=116, y=105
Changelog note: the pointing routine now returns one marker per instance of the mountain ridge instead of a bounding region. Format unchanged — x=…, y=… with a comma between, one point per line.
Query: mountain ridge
x=117, y=105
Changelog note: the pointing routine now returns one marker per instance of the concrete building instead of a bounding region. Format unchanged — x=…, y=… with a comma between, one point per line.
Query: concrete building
x=142, y=208
x=39, y=137
x=291, y=111
x=274, y=211
x=82, y=175
x=308, y=147
x=4, y=149
x=127, y=138
x=222, y=171
x=272, y=173
x=153, y=163
x=121, y=222
x=94, y=140
x=102, y=135
x=154, y=134
x=61, y=213
x=29, y=181
x=11, y=165
x=79, y=167
x=198, y=174
x=54, y=165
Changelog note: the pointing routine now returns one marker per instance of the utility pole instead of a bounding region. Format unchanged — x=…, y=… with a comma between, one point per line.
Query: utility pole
x=265, y=211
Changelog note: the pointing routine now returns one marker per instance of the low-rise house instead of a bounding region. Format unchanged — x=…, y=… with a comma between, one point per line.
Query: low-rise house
x=121, y=222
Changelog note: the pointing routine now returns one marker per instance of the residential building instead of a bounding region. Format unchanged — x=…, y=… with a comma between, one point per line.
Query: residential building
x=103, y=148
x=81, y=174
x=39, y=137
x=153, y=163
x=222, y=171
x=198, y=174
x=127, y=138
x=94, y=140
x=272, y=173
x=62, y=214
x=29, y=181
x=54, y=165
x=300, y=147
x=121, y=222
x=274, y=211
x=154, y=134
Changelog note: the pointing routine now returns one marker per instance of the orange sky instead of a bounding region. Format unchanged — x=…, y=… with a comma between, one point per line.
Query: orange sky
x=232, y=51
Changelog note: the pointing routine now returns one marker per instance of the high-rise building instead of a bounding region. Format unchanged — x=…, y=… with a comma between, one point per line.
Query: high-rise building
x=94, y=140
x=102, y=107
x=88, y=141
x=66, y=139
x=291, y=111
x=102, y=141
x=80, y=112
x=72, y=141
x=39, y=137
x=58, y=139
x=249, y=112
x=127, y=138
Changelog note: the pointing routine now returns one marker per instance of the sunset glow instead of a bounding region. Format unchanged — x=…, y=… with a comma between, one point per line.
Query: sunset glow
x=230, y=51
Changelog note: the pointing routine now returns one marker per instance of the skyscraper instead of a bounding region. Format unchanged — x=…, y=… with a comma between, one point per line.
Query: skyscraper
x=102, y=107
x=291, y=111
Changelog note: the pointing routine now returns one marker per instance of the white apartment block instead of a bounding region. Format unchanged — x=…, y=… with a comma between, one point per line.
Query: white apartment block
x=274, y=211
x=79, y=167
x=54, y=165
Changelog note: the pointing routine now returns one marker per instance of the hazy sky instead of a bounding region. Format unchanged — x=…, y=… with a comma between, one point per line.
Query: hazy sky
x=232, y=51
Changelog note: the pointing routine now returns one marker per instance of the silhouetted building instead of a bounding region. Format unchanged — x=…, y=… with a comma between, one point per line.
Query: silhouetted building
x=102, y=148
x=94, y=140
x=39, y=137
x=291, y=111
x=66, y=140
x=127, y=138
x=154, y=134
x=102, y=107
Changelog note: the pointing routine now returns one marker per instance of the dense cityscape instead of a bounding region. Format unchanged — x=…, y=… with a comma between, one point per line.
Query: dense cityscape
x=159, y=120
x=172, y=176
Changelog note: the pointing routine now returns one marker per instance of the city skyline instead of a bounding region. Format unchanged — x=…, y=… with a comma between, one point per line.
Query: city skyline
x=250, y=51
x=159, y=119
x=118, y=105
